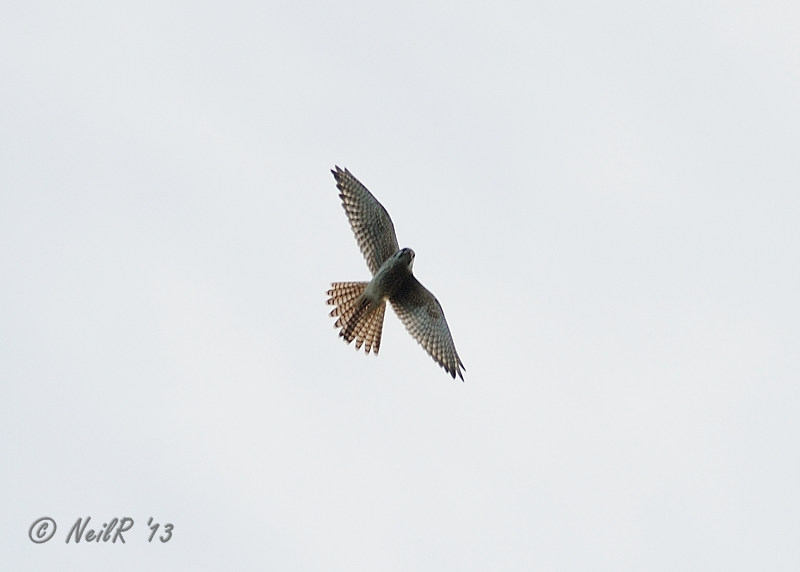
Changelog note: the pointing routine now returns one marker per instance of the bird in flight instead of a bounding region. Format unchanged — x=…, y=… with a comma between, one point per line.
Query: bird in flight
x=360, y=306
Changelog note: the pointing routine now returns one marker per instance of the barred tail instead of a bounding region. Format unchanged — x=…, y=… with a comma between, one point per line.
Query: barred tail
x=358, y=318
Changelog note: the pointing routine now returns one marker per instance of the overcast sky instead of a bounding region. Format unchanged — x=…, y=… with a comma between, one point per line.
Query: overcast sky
x=604, y=197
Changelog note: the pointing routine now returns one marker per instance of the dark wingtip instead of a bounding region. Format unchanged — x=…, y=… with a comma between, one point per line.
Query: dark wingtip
x=455, y=371
x=338, y=174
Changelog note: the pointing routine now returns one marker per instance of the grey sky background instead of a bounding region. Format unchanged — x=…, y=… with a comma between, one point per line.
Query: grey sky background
x=604, y=197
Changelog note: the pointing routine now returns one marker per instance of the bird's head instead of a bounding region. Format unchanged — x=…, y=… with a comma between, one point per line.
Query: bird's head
x=406, y=255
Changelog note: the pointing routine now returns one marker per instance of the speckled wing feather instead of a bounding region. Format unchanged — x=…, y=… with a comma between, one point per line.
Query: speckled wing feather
x=423, y=317
x=369, y=220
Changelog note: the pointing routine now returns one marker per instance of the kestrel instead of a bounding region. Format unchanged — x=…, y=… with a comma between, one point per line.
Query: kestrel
x=360, y=306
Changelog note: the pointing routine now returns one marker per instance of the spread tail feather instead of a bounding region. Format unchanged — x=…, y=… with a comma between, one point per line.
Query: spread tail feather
x=359, y=318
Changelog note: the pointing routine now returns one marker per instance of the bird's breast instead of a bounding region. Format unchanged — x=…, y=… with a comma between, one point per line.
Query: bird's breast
x=388, y=279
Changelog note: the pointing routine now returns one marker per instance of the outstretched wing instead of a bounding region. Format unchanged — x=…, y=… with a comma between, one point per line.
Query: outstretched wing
x=423, y=317
x=369, y=220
